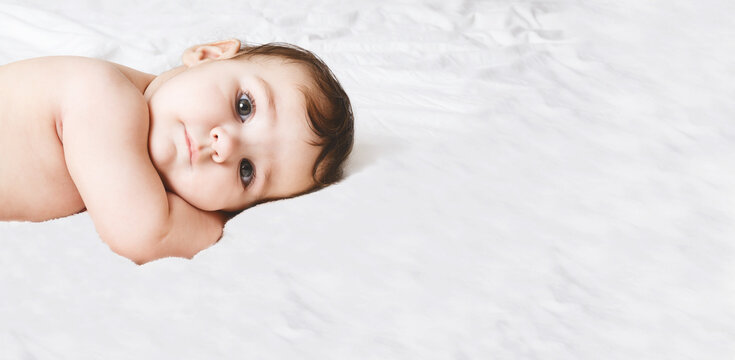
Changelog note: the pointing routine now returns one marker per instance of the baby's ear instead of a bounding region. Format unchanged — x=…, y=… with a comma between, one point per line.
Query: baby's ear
x=212, y=51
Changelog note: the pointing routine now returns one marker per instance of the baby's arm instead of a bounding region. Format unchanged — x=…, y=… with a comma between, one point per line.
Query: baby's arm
x=105, y=134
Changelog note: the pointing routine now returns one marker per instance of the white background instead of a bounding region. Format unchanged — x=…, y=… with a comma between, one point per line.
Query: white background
x=530, y=179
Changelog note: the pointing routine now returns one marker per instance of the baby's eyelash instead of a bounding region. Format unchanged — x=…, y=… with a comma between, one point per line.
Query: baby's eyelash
x=251, y=97
x=244, y=105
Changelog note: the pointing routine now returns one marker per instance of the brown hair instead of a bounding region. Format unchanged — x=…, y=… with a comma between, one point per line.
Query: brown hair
x=327, y=105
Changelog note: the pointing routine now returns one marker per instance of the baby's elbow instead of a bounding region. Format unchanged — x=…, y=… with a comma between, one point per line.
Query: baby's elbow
x=142, y=248
x=138, y=249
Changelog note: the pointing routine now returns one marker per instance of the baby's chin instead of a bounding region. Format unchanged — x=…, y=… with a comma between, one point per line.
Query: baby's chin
x=191, y=199
x=196, y=201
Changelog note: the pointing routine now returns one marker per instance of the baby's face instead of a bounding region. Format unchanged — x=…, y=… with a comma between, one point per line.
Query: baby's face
x=226, y=134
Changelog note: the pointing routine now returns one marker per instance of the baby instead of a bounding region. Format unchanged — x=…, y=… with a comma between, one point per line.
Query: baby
x=161, y=162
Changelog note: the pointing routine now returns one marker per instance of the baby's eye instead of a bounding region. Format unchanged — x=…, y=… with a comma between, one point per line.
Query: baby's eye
x=245, y=106
x=246, y=171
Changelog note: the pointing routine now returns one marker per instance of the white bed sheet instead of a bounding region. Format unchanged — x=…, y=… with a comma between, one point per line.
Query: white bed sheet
x=531, y=179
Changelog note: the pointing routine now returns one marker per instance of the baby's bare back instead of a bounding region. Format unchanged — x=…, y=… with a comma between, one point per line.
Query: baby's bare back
x=34, y=180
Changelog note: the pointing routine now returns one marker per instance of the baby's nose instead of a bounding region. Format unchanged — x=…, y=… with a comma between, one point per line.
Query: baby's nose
x=222, y=144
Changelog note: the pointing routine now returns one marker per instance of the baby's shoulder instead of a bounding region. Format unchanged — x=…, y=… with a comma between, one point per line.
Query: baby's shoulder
x=97, y=91
x=91, y=70
x=80, y=73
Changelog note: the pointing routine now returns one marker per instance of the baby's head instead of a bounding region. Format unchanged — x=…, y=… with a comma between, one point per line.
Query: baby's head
x=234, y=127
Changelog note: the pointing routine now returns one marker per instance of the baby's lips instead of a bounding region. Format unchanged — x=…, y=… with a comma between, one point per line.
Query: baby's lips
x=190, y=146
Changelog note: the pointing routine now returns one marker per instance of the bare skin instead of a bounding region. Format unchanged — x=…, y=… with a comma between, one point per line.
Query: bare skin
x=152, y=158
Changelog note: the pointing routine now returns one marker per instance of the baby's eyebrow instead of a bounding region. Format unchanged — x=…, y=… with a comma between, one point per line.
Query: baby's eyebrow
x=272, y=107
x=267, y=178
x=271, y=96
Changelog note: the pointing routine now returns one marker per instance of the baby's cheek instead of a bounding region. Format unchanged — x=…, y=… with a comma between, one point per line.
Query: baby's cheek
x=161, y=152
x=209, y=190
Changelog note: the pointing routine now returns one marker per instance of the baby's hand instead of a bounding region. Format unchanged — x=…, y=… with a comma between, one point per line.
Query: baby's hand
x=189, y=231
x=192, y=230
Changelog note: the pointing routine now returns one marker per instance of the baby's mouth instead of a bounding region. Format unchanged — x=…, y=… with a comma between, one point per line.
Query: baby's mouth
x=191, y=146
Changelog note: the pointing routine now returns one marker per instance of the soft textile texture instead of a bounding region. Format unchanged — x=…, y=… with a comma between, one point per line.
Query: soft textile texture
x=531, y=179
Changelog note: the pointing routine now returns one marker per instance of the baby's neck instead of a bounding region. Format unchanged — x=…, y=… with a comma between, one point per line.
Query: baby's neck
x=140, y=79
x=157, y=81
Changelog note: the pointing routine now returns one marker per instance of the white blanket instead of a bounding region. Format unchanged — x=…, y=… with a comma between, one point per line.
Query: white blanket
x=531, y=179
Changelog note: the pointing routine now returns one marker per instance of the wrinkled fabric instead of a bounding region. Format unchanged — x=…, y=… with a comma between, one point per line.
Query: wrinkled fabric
x=530, y=179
